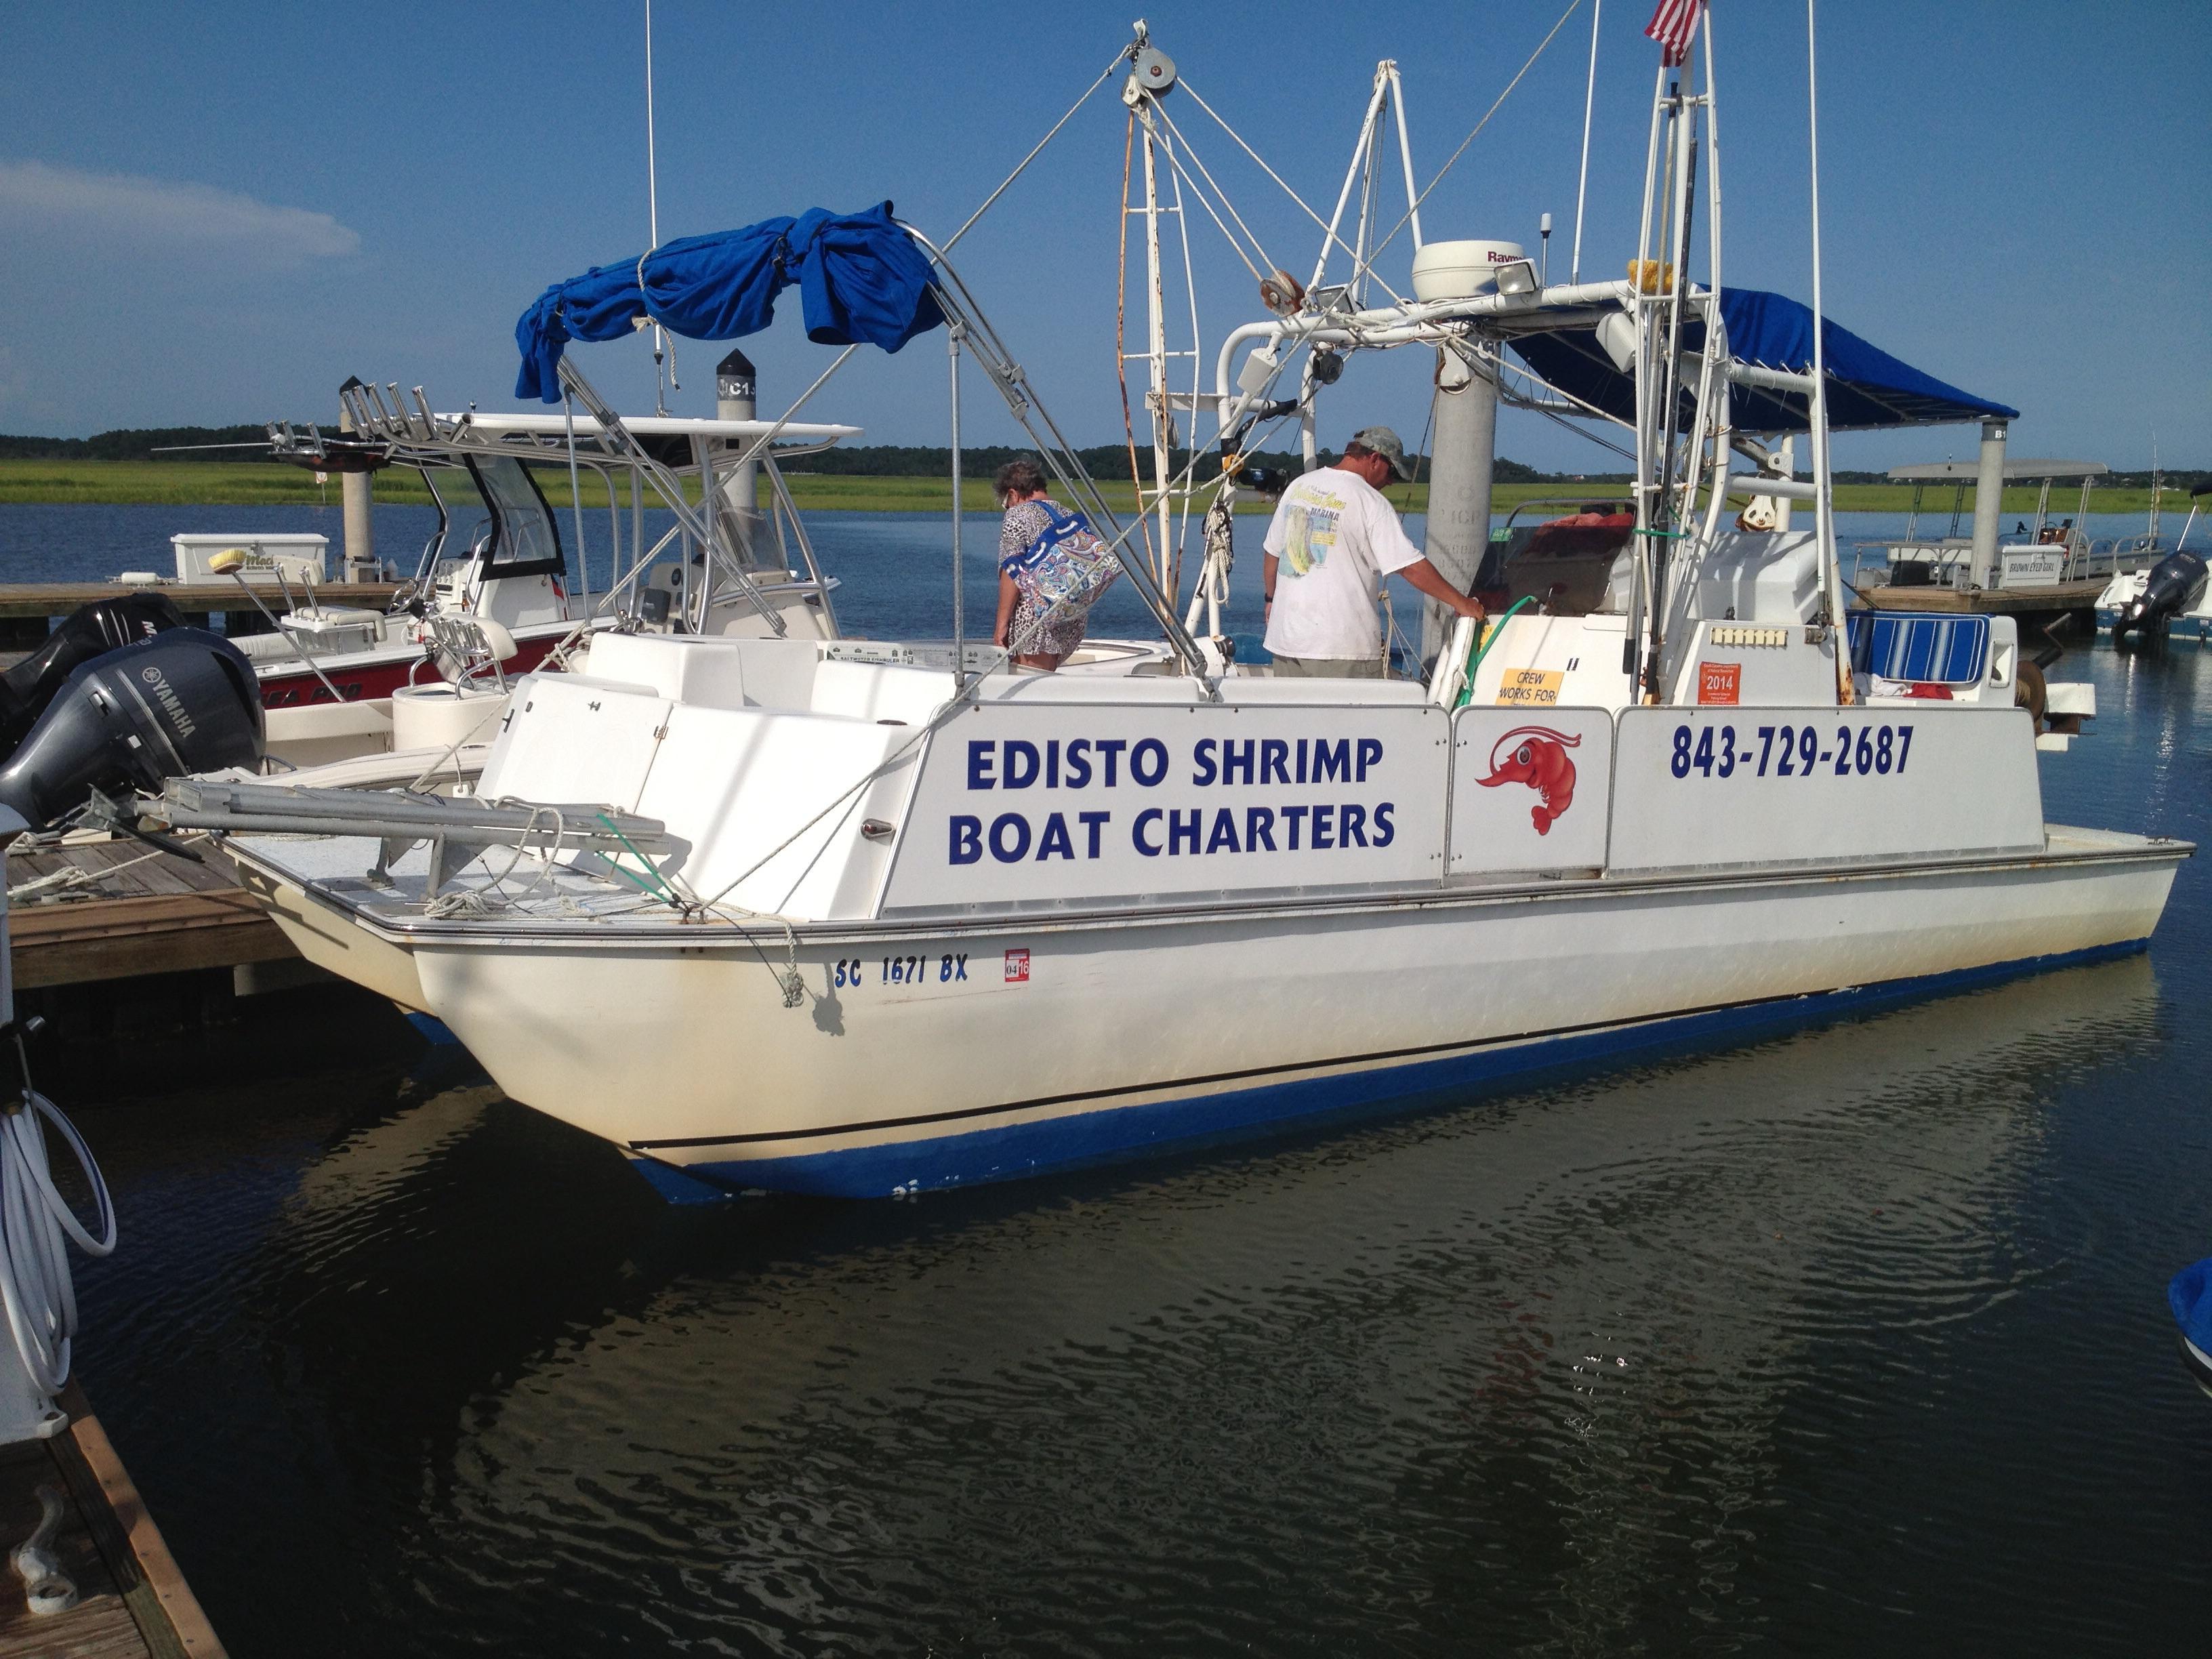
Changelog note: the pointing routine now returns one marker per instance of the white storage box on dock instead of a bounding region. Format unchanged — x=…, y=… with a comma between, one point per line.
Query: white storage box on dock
x=297, y=558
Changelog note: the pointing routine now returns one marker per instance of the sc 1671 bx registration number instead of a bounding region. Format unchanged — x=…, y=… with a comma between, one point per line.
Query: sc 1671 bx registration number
x=1784, y=751
x=946, y=967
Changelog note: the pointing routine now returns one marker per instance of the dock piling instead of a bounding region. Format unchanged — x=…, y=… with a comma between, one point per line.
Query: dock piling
x=1988, y=504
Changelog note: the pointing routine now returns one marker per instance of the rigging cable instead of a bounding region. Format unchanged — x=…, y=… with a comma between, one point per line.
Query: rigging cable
x=1572, y=6
x=785, y=419
x=1169, y=122
x=1327, y=230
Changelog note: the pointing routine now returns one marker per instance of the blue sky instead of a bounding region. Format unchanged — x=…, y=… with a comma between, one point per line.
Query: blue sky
x=215, y=213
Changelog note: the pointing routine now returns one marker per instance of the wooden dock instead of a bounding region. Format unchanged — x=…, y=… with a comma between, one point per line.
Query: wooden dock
x=118, y=910
x=28, y=610
x=132, y=1599
x=2063, y=598
x=21, y=600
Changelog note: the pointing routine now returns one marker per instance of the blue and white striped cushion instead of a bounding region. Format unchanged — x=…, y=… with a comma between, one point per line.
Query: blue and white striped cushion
x=1938, y=650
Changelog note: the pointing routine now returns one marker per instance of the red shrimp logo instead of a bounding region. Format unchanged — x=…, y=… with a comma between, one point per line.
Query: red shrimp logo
x=1536, y=756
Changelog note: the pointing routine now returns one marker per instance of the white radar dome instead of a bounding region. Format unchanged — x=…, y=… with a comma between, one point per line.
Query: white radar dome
x=1459, y=270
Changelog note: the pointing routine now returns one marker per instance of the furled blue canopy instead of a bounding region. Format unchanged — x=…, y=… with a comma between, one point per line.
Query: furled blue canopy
x=860, y=276
x=1866, y=386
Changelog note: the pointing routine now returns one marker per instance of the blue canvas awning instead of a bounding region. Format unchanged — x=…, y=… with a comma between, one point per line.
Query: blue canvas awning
x=860, y=276
x=1866, y=386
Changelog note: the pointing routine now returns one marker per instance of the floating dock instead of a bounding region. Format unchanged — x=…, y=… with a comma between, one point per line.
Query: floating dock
x=132, y=1599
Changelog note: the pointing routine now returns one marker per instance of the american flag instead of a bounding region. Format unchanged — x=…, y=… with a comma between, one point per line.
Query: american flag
x=1673, y=27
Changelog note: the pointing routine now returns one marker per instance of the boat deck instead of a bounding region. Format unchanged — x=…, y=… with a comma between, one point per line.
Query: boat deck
x=132, y=1600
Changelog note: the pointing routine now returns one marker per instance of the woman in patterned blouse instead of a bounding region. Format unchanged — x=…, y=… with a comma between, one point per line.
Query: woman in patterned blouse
x=1021, y=490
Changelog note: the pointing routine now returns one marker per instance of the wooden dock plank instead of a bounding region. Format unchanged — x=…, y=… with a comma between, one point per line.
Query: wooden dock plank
x=71, y=944
x=161, y=1604
x=104, y=1624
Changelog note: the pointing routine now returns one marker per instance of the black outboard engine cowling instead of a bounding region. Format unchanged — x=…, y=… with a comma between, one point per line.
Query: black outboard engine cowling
x=2175, y=583
x=90, y=631
x=184, y=700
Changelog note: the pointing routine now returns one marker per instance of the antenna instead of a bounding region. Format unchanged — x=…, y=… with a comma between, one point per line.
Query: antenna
x=1582, y=180
x=1544, y=242
x=662, y=352
x=2157, y=479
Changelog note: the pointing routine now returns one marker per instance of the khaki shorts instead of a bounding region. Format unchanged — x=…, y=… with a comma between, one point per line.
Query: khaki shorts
x=1328, y=668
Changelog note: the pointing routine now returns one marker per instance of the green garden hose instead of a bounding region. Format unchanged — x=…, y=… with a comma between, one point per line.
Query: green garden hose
x=1480, y=648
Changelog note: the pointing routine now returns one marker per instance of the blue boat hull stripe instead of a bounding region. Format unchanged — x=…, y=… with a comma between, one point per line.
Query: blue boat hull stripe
x=1377, y=1057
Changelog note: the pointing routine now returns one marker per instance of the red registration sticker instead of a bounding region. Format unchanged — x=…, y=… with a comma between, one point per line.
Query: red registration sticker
x=1717, y=682
x=1017, y=966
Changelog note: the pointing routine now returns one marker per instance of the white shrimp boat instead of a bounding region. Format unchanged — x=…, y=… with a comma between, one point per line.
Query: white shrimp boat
x=864, y=917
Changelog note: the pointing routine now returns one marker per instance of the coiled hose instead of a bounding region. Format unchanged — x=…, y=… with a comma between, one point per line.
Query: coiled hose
x=35, y=1223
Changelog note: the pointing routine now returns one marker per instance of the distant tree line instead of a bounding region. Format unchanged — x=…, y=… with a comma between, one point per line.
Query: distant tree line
x=133, y=444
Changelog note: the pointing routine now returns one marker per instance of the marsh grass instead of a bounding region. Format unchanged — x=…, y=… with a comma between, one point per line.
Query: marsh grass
x=263, y=483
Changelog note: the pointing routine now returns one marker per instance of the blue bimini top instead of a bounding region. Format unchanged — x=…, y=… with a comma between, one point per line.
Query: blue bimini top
x=861, y=276
x=1866, y=386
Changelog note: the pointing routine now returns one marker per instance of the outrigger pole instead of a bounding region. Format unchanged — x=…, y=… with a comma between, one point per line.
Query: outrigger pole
x=1824, y=501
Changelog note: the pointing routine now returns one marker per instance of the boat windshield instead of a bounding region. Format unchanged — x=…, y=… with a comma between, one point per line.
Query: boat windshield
x=524, y=540
x=434, y=546
x=1565, y=563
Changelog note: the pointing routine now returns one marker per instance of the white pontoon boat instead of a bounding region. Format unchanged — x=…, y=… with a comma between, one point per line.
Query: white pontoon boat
x=866, y=917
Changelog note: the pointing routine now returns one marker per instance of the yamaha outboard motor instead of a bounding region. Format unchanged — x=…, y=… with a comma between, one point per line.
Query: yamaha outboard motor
x=97, y=629
x=184, y=700
x=2175, y=584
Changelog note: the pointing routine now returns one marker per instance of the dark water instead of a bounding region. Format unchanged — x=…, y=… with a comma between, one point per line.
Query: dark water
x=1850, y=1341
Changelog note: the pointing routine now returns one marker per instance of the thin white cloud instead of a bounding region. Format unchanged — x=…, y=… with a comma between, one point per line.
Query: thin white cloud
x=43, y=201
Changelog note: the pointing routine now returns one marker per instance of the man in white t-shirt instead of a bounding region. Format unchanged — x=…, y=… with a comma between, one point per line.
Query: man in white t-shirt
x=1334, y=539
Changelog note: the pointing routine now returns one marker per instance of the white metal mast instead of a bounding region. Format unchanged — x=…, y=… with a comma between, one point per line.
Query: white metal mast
x=1153, y=76
x=1824, y=499
x=1156, y=353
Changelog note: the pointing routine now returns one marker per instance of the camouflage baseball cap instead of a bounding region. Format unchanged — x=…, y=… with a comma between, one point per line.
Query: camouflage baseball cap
x=1384, y=443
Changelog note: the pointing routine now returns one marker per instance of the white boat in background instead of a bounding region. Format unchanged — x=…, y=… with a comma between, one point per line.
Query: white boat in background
x=343, y=683
x=2049, y=552
x=2170, y=599
x=772, y=909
